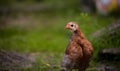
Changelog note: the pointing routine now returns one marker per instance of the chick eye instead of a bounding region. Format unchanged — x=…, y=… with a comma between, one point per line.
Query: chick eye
x=72, y=25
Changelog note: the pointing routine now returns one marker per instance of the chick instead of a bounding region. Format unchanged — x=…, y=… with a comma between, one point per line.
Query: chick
x=79, y=51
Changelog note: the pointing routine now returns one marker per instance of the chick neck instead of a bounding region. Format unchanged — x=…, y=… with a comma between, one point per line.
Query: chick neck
x=78, y=32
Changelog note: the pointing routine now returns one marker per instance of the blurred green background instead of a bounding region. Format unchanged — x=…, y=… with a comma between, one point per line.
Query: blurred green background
x=38, y=26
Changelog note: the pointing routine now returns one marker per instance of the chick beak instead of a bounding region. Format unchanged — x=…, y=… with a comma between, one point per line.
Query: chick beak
x=67, y=26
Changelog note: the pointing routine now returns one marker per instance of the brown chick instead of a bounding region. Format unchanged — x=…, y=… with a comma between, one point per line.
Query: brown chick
x=79, y=51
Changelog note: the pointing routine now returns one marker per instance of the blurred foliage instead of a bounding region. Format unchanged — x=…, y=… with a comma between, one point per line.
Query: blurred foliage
x=5, y=2
x=107, y=40
x=43, y=31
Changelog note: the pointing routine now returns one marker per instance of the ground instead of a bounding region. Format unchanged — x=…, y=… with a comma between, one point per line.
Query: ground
x=44, y=34
x=47, y=36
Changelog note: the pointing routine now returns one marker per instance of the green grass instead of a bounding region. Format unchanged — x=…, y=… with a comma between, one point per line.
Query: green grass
x=49, y=38
x=50, y=32
x=46, y=34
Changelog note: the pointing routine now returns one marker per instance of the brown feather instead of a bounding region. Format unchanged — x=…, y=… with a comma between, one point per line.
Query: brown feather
x=79, y=51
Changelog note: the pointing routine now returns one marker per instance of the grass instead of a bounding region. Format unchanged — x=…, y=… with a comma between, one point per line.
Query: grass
x=48, y=35
x=45, y=34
